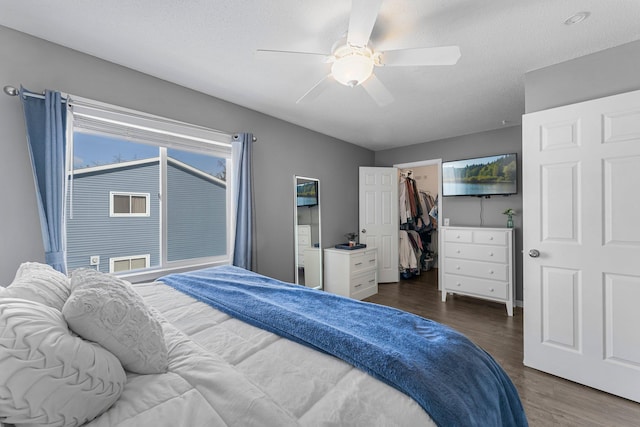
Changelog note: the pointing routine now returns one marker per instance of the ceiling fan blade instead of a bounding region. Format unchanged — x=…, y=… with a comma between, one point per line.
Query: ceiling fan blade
x=377, y=91
x=272, y=52
x=316, y=90
x=363, y=17
x=444, y=55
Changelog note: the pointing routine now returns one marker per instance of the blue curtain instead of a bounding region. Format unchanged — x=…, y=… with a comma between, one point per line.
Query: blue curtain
x=243, y=254
x=45, y=122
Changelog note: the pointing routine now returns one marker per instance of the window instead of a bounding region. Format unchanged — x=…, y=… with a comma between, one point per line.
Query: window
x=163, y=184
x=135, y=204
x=120, y=264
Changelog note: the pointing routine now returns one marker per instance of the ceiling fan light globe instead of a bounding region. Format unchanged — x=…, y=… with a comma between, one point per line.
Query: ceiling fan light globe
x=353, y=69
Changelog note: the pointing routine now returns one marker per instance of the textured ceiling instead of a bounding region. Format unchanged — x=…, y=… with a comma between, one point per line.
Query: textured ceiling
x=209, y=46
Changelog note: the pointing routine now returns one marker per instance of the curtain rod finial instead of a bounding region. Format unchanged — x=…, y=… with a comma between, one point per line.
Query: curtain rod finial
x=11, y=91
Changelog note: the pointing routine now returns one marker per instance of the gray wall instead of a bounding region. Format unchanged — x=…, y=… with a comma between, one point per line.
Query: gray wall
x=467, y=210
x=282, y=150
x=608, y=72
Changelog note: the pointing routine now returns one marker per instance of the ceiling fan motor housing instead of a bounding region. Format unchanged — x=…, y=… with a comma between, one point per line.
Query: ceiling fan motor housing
x=352, y=65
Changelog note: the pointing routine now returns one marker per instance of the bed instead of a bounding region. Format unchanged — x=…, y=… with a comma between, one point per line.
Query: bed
x=243, y=349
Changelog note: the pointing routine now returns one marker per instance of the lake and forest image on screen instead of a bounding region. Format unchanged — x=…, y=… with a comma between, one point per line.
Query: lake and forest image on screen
x=483, y=176
x=307, y=194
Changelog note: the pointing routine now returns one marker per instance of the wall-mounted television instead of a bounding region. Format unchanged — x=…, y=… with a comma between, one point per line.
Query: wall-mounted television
x=307, y=194
x=481, y=176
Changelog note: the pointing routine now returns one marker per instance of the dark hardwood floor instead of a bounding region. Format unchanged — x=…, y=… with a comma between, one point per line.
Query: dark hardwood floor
x=548, y=400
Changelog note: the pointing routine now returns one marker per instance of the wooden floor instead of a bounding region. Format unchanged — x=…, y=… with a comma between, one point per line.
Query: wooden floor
x=548, y=400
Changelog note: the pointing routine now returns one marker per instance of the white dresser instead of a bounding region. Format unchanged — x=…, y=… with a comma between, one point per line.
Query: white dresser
x=478, y=262
x=351, y=273
x=304, y=242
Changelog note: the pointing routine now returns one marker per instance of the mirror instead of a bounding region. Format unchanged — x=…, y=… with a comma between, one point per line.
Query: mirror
x=307, y=249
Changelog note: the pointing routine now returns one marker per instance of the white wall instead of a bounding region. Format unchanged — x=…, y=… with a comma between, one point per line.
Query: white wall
x=426, y=178
x=282, y=150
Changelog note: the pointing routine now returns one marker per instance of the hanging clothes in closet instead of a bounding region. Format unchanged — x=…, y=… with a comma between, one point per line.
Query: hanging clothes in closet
x=418, y=218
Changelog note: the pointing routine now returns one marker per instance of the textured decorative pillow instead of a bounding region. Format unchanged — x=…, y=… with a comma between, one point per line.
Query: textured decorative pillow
x=49, y=377
x=106, y=309
x=40, y=283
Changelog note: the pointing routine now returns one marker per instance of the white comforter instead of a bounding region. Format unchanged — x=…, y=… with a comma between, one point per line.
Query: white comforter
x=223, y=371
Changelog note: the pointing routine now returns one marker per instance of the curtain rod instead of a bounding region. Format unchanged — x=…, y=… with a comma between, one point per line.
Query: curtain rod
x=236, y=136
x=12, y=91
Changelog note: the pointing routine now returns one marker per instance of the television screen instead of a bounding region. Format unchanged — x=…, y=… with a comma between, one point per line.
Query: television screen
x=480, y=176
x=307, y=194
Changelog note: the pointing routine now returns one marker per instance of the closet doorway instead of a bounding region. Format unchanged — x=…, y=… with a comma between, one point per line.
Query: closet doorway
x=420, y=225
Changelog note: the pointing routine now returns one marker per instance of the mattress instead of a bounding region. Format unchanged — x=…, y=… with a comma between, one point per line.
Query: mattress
x=223, y=371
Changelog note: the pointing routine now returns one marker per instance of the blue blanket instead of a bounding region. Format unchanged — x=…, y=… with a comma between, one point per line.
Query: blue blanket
x=456, y=382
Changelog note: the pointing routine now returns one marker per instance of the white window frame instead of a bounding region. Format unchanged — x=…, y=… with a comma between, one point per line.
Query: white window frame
x=89, y=116
x=113, y=260
x=147, y=197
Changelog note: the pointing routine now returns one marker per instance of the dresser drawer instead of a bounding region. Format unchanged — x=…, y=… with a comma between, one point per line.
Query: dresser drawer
x=490, y=237
x=457, y=235
x=364, y=285
x=480, y=269
x=479, y=287
x=304, y=240
x=362, y=281
x=363, y=261
x=477, y=252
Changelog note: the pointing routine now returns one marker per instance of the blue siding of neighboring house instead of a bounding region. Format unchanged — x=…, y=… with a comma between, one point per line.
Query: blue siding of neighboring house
x=196, y=215
x=92, y=231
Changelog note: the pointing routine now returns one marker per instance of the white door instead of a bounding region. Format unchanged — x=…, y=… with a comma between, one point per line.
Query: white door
x=581, y=200
x=379, y=218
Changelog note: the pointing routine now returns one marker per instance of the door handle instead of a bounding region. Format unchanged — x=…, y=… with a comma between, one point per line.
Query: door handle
x=364, y=230
x=534, y=253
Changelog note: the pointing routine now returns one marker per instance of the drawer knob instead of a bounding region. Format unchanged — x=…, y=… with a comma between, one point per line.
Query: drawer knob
x=491, y=238
x=458, y=236
x=458, y=251
x=358, y=285
x=458, y=284
x=490, y=271
x=491, y=290
x=457, y=267
x=358, y=263
x=372, y=280
x=490, y=253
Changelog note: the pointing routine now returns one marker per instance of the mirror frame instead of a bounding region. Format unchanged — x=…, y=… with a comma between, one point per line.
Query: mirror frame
x=295, y=231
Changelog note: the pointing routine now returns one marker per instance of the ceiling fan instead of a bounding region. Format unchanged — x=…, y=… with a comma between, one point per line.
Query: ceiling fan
x=352, y=60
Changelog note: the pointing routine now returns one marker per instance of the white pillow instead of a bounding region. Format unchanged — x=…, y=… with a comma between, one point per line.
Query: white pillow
x=40, y=283
x=106, y=309
x=49, y=377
